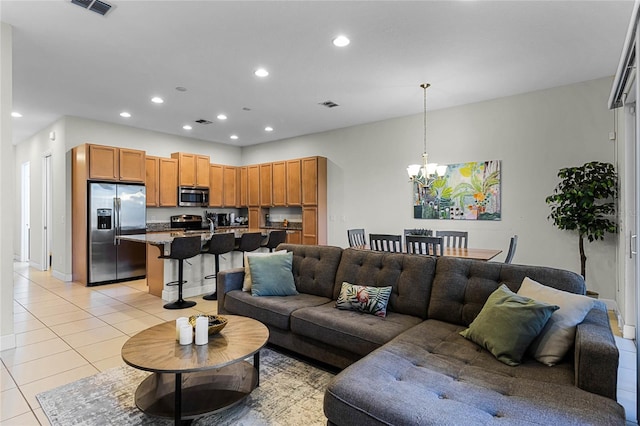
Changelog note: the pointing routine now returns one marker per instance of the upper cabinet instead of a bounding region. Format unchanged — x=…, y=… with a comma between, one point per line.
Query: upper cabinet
x=265, y=185
x=244, y=186
x=216, y=185
x=314, y=180
x=223, y=187
x=152, y=180
x=279, y=184
x=116, y=164
x=294, y=181
x=193, y=170
x=253, y=185
x=168, y=182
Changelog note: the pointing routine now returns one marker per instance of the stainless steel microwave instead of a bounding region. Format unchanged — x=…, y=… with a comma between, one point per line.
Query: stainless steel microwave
x=193, y=197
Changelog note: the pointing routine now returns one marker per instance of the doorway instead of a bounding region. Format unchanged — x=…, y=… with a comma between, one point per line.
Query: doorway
x=25, y=223
x=47, y=234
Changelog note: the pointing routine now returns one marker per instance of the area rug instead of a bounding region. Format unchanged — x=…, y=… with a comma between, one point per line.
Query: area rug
x=290, y=393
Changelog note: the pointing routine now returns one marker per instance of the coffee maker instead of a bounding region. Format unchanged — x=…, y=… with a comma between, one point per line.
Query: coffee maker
x=223, y=219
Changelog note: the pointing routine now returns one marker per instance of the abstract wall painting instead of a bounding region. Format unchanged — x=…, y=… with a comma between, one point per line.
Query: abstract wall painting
x=468, y=191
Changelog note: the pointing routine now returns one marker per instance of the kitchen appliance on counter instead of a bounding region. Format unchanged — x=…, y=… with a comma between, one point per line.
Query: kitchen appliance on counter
x=188, y=222
x=193, y=197
x=224, y=219
x=114, y=210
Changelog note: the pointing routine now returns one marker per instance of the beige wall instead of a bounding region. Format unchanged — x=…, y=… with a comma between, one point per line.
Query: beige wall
x=7, y=194
x=534, y=134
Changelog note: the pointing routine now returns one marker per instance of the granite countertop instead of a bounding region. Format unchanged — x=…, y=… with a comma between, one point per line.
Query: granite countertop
x=159, y=238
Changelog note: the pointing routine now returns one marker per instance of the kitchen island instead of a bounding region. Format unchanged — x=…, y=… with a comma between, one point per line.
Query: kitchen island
x=162, y=271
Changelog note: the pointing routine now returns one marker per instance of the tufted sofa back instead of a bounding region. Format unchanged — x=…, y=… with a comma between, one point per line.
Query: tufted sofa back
x=462, y=286
x=409, y=275
x=314, y=268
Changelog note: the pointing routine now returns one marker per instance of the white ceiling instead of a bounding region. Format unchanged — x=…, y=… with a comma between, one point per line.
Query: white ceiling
x=70, y=61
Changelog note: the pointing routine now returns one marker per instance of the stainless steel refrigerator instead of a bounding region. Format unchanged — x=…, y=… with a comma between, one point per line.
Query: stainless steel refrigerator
x=115, y=209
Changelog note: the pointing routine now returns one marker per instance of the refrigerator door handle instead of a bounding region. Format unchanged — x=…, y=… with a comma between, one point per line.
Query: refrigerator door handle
x=117, y=205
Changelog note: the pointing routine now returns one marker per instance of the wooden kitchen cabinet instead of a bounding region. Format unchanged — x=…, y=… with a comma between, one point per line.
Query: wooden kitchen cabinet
x=230, y=186
x=294, y=237
x=265, y=184
x=152, y=178
x=279, y=183
x=294, y=181
x=244, y=186
x=103, y=162
x=116, y=164
x=216, y=185
x=253, y=185
x=131, y=165
x=254, y=217
x=314, y=180
x=193, y=170
x=310, y=225
x=168, y=182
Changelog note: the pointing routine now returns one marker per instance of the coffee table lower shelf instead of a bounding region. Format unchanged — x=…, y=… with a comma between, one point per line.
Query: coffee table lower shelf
x=203, y=392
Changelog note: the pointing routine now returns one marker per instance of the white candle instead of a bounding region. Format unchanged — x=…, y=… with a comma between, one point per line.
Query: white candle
x=179, y=323
x=202, y=330
x=186, y=335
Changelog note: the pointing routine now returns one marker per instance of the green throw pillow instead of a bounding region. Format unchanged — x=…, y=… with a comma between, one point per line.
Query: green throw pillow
x=272, y=276
x=507, y=324
x=372, y=300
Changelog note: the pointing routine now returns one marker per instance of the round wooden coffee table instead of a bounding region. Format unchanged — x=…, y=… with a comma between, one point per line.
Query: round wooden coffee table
x=190, y=381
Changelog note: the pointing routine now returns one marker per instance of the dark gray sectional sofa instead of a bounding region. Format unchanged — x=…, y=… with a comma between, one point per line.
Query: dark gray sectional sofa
x=412, y=367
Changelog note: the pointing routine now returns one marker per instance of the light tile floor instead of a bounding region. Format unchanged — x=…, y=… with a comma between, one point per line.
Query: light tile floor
x=66, y=331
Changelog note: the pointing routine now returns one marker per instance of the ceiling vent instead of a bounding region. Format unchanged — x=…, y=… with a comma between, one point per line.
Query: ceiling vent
x=328, y=104
x=203, y=121
x=94, y=5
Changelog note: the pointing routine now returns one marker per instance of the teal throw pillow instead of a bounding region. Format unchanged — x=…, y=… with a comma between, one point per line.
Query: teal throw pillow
x=272, y=276
x=372, y=300
x=507, y=324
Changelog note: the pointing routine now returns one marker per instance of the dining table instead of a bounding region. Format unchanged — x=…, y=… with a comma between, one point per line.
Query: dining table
x=466, y=253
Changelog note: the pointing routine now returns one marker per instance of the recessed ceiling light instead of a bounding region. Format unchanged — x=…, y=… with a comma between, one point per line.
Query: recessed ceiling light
x=187, y=127
x=157, y=100
x=268, y=129
x=222, y=117
x=125, y=114
x=341, y=41
x=15, y=114
x=234, y=137
x=261, y=72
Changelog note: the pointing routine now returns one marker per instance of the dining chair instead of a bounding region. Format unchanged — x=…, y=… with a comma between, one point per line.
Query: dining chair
x=386, y=242
x=454, y=238
x=417, y=231
x=249, y=241
x=356, y=237
x=276, y=237
x=422, y=244
x=512, y=249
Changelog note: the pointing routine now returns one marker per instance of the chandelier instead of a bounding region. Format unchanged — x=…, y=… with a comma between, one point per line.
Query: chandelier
x=426, y=173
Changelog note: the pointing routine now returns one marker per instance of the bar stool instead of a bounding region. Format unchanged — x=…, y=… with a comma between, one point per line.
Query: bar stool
x=217, y=245
x=250, y=241
x=181, y=249
x=275, y=238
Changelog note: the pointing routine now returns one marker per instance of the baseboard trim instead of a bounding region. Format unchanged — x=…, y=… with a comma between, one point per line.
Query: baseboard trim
x=61, y=276
x=35, y=265
x=8, y=341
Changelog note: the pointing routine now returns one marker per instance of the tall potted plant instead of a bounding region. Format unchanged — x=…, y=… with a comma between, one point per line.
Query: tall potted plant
x=584, y=201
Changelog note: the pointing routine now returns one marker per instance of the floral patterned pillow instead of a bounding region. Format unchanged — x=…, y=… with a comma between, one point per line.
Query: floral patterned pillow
x=372, y=300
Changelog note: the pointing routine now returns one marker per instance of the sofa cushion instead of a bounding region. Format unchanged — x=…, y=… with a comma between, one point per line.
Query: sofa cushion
x=409, y=275
x=370, y=300
x=431, y=375
x=314, y=268
x=558, y=335
x=508, y=323
x=354, y=331
x=271, y=276
x=462, y=286
x=270, y=310
x=246, y=285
